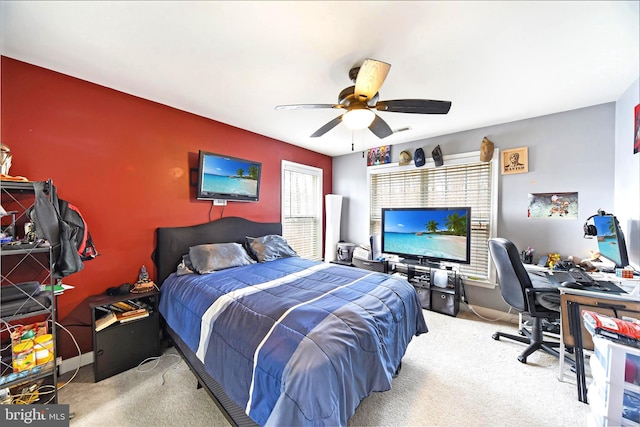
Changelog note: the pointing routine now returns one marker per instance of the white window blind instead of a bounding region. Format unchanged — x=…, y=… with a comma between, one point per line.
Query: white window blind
x=457, y=185
x=302, y=209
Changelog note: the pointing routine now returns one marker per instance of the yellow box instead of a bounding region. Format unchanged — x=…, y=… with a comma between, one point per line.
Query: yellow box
x=23, y=356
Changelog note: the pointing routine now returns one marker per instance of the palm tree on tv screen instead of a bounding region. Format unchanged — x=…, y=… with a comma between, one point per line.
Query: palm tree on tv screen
x=457, y=224
x=431, y=226
x=253, y=171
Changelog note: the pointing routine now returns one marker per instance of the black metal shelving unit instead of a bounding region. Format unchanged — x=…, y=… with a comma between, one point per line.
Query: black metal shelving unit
x=20, y=263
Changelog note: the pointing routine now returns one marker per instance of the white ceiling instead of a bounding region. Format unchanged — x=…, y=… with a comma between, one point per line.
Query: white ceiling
x=234, y=61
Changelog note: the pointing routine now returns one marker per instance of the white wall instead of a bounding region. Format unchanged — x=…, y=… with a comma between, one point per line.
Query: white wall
x=573, y=151
x=627, y=173
x=568, y=152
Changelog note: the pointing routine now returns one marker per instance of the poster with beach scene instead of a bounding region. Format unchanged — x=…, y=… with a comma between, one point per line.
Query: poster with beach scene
x=553, y=205
x=432, y=233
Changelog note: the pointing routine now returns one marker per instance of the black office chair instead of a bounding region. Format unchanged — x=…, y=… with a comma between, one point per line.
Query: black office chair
x=517, y=291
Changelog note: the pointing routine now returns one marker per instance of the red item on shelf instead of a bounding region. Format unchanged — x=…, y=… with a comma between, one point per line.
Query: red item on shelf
x=624, y=331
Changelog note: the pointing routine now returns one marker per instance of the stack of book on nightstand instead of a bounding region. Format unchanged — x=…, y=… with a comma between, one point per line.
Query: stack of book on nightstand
x=120, y=312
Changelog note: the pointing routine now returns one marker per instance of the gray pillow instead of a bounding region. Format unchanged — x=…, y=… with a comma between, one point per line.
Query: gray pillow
x=268, y=248
x=218, y=256
x=185, y=266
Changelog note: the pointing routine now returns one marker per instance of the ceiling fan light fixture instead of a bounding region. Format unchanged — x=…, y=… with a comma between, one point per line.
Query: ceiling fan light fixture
x=358, y=118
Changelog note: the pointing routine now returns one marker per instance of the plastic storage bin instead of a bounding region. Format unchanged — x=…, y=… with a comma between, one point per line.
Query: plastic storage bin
x=614, y=394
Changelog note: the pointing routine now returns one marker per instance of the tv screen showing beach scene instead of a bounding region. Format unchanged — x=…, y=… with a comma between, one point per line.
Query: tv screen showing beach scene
x=228, y=178
x=434, y=234
x=611, y=244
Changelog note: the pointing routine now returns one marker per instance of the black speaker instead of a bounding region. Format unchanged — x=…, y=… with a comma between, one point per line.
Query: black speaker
x=120, y=290
x=437, y=156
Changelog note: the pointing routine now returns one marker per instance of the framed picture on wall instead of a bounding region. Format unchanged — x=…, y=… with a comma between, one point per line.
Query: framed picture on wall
x=379, y=155
x=553, y=205
x=515, y=160
x=636, y=130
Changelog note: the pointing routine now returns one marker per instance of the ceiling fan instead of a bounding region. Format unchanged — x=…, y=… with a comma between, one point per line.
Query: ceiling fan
x=361, y=101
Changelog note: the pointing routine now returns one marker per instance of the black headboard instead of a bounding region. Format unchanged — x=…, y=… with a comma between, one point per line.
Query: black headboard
x=173, y=242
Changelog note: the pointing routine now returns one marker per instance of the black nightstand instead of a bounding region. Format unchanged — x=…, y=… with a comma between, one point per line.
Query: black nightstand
x=123, y=346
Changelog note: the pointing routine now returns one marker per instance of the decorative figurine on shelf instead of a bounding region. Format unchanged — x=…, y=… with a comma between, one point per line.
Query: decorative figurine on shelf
x=5, y=159
x=143, y=276
x=144, y=284
x=5, y=164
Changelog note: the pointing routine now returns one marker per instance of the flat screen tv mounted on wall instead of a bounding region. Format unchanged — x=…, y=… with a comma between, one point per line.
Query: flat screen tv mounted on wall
x=222, y=177
x=428, y=235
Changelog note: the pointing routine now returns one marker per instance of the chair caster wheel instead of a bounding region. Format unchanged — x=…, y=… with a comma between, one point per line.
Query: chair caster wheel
x=495, y=337
x=522, y=359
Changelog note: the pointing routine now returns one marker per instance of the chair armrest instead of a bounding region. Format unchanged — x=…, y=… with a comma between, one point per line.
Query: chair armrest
x=535, y=308
x=548, y=290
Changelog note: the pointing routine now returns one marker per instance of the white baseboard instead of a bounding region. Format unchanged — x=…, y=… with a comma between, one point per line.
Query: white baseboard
x=71, y=364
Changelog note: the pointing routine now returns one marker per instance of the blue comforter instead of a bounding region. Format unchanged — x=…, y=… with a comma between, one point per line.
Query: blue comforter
x=293, y=341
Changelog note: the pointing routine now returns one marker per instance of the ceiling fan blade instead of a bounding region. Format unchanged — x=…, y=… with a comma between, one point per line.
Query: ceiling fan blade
x=418, y=106
x=327, y=127
x=370, y=77
x=380, y=128
x=306, y=106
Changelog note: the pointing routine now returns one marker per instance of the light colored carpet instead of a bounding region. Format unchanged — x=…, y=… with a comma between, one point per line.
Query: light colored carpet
x=455, y=375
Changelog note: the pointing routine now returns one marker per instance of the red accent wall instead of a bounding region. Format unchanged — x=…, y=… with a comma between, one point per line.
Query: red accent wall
x=124, y=162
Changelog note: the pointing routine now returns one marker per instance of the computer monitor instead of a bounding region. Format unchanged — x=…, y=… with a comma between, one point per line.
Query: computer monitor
x=611, y=243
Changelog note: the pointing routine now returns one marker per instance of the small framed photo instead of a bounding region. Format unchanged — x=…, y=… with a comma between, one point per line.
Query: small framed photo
x=515, y=160
x=636, y=135
x=379, y=155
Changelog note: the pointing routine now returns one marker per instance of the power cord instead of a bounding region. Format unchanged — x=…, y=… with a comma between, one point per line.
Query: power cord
x=507, y=314
x=156, y=359
x=79, y=356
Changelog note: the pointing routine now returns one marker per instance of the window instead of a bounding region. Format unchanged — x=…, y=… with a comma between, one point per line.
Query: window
x=302, y=209
x=462, y=181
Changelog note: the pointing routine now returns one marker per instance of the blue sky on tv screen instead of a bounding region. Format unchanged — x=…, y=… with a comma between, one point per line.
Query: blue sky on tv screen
x=225, y=166
x=411, y=221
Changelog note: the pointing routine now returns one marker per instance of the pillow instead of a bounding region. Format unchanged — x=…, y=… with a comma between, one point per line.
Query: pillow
x=218, y=256
x=185, y=266
x=268, y=248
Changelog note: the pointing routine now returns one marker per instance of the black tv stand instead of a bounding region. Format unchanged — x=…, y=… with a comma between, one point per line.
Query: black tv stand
x=422, y=262
x=439, y=289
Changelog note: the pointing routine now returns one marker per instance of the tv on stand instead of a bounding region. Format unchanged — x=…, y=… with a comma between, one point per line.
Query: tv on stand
x=427, y=236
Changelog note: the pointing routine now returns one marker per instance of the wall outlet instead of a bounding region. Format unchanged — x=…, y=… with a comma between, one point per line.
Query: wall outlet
x=217, y=202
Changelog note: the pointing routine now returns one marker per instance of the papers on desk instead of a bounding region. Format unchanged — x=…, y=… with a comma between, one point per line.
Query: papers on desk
x=631, y=286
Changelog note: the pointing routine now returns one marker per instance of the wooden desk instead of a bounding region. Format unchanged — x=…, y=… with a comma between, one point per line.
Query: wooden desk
x=571, y=303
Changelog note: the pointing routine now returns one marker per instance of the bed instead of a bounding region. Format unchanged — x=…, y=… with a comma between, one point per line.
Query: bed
x=278, y=339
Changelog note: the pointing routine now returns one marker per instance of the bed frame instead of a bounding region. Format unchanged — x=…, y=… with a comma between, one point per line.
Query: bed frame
x=171, y=244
